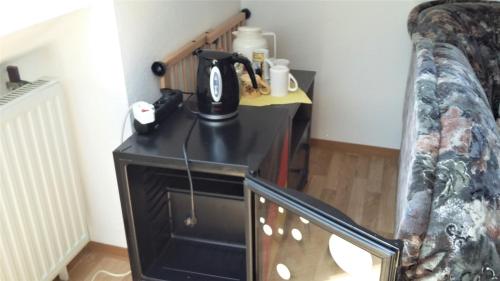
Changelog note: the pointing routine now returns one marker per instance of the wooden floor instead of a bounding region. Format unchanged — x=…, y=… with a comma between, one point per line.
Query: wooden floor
x=96, y=257
x=359, y=181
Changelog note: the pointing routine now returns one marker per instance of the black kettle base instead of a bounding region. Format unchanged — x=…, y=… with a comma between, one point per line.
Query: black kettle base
x=217, y=117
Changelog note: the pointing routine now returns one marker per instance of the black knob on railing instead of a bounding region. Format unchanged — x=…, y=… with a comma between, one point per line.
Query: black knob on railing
x=196, y=52
x=247, y=12
x=159, y=68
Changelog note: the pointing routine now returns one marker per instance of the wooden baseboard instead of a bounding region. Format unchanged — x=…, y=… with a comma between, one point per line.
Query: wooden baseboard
x=99, y=247
x=355, y=148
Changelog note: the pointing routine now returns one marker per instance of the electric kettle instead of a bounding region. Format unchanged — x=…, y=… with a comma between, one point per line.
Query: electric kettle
x=217, y=88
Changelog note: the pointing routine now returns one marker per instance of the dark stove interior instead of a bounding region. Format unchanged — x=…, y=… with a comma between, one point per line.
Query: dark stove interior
x=214, y=249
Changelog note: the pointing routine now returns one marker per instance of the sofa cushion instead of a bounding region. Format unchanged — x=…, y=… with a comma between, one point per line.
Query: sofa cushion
x=462, y=241
x=419, y=149
x=472, y=27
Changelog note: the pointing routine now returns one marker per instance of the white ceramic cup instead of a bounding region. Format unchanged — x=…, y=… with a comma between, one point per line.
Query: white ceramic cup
x=280, y=81
x=275, y=61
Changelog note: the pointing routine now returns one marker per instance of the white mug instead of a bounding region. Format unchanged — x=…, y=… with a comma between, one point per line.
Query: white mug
x=275, y=61
x=280, y=81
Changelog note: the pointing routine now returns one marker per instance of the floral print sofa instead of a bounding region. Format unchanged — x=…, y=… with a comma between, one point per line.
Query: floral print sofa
x=448, y=213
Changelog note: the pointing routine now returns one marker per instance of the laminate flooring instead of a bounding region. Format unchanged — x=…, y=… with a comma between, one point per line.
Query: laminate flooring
x=94, y=258
x=362, y=185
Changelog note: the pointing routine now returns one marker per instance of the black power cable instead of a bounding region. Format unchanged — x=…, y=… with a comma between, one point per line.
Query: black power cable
x=190, y=220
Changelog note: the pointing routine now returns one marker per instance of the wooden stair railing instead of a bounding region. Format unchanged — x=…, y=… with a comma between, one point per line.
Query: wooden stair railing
x=178, y=69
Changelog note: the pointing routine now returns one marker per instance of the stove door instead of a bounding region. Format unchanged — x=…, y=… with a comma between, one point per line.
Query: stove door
x=292, y=236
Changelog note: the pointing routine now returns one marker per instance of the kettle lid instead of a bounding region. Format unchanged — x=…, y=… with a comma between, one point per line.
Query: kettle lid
x=213, y=55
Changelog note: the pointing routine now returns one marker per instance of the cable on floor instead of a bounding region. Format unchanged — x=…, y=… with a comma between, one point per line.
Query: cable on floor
x=110, y=274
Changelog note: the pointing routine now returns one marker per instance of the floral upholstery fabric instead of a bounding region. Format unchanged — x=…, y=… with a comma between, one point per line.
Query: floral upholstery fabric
x=449, y=181
x=419, y=152
x=474, y=28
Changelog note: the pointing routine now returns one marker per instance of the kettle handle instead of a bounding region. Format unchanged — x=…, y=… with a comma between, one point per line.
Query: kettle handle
x=248, y=65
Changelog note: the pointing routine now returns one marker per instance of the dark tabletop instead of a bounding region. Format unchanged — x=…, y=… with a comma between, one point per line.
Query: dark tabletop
x=213, y=145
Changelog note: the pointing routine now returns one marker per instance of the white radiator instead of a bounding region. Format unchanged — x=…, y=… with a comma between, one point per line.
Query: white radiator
x=42, y=208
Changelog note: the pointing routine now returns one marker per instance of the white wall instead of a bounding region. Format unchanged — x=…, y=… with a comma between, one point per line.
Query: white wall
x=81, y=50
x=361, y=52
x=20, y=14
x=149, y=30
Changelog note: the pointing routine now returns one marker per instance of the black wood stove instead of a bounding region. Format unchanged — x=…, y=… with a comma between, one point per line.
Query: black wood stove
x=247, y=174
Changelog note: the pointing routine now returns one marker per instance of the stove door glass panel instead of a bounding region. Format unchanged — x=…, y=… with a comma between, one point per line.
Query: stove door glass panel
x=294, y=240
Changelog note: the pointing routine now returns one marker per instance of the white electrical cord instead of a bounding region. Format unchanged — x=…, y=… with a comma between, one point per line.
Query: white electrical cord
x=125, y=122
x=190, y=221
x=110, y=274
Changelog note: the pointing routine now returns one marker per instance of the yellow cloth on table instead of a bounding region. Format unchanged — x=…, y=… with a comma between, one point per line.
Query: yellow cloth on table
x=298, y=96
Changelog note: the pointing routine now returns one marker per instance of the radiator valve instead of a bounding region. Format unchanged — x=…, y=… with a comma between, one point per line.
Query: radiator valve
x=14, y=78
